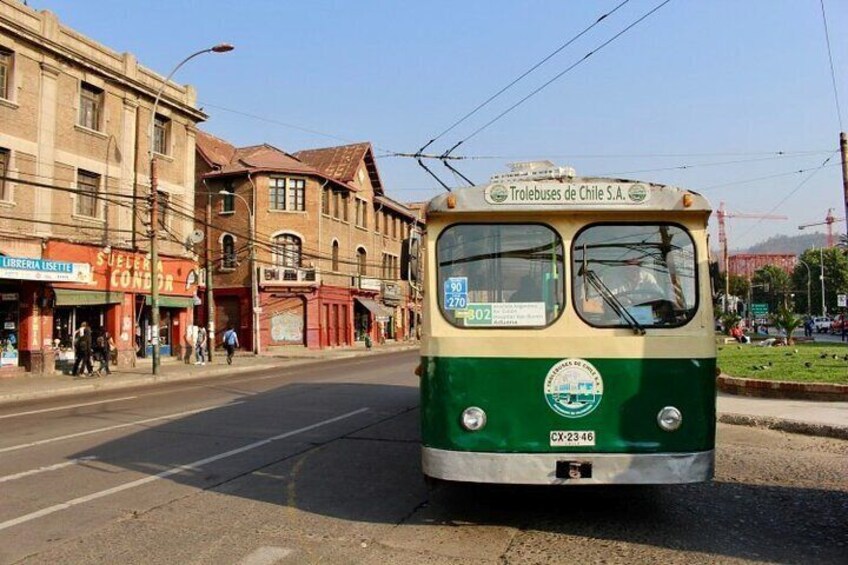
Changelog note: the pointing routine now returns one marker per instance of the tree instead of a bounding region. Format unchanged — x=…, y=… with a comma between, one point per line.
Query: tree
x=787, y=321
x=772, y=285
x=739, y=286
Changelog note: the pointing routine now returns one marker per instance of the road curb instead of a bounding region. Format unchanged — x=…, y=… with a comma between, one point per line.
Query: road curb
x=783, y=425
x=826, y=392
x=117, y=383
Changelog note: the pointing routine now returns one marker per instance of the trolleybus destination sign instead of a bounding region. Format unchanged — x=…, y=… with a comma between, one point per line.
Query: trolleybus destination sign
x=599, y=193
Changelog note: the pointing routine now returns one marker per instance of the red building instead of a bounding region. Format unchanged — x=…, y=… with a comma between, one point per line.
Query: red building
x=327, y=243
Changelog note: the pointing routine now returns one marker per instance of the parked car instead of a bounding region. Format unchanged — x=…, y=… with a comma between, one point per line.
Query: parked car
x=822, y=324
x=838, y=322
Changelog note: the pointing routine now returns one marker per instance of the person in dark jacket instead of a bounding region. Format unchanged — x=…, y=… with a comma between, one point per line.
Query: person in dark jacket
x=82, y=350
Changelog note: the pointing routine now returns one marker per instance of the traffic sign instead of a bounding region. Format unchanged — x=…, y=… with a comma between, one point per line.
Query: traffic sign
x=842, y=300
x=759, y=309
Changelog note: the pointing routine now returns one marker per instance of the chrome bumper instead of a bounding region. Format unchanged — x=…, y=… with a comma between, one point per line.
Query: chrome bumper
x=540, y=468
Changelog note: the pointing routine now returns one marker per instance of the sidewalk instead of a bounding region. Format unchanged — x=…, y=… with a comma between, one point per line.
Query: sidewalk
x=25, y=387
x=829, y=419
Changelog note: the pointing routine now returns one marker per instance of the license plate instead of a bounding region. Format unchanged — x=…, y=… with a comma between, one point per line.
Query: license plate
x=573, y=439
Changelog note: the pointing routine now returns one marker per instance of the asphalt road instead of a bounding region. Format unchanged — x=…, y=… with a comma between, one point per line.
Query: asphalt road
x=320, y=464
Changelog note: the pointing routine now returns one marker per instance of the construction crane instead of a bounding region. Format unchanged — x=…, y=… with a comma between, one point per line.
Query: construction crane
x=722, y=239
x=828, y=220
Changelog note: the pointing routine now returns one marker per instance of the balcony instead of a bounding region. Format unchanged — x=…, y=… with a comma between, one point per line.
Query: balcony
x=287, y=276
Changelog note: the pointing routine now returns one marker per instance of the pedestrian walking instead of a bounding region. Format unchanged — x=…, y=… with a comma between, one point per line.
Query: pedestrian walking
x=103, y=352
x=82, y=350
x=200, y=346
x=230, y=343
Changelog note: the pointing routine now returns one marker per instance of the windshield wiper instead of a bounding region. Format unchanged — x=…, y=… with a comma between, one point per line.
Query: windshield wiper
x=611, y=300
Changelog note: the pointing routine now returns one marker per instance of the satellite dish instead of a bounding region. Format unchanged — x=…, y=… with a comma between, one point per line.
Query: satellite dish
x=196, y=236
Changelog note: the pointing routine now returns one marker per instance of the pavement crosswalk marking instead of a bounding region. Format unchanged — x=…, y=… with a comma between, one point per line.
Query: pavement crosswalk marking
x=266, y=556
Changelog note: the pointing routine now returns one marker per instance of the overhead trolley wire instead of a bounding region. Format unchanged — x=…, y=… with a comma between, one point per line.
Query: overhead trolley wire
x=830, y=60
x=522, y=75
x=558, y=76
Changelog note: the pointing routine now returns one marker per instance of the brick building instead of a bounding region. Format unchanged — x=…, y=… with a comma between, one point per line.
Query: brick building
x=327, y=244
x=74, y=117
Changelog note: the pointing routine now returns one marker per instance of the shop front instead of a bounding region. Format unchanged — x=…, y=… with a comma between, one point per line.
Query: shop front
x=25, y=313
x=117, y=300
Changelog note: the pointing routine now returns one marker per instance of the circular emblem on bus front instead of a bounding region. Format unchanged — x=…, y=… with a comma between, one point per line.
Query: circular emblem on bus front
x=498, y=193
x=638, y=193
x=573, y=388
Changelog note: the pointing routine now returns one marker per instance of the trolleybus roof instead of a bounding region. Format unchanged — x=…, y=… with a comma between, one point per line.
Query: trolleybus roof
x=577, y=194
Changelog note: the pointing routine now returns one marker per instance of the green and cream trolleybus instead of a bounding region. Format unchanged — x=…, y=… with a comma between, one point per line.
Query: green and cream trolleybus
x=567, y=334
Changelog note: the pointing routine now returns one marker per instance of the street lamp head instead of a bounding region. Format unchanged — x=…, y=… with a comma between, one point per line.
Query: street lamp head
x=223, y=192
x=223, y=48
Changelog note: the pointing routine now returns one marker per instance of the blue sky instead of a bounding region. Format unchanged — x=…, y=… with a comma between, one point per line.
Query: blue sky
x=717, y=86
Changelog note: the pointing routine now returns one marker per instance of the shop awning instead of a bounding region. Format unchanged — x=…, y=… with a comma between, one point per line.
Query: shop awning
x=68, y=297
x=375, y=308
x=172, y=301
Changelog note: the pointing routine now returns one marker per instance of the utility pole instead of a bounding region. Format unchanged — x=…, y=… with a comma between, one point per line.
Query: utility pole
x=154, y=256
x=821, y=262
x=843, y=149
x=210, y=300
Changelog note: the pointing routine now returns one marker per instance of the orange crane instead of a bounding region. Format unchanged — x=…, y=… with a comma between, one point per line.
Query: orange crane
x=722, y=239
x=829, y=219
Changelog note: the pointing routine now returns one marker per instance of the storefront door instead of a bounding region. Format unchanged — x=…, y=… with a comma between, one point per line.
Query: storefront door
x=9, y=326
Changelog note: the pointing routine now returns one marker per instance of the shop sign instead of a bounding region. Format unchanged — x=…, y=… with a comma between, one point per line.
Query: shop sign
x=9, y=358
x=370, y=284
x=43, y=270
x=126, y=271
x=9, y=297
x=391, y=291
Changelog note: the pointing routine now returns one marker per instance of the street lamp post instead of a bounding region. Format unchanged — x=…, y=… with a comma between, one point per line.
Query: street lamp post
x=154, y=203
x=809, y=278
x=821, y=262
x=254, y=290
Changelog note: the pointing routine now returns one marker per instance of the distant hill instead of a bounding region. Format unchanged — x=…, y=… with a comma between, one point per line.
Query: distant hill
x=795, y=244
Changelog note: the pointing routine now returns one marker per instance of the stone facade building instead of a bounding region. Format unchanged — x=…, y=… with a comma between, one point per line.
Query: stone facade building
x=74, y=186
x=327, y=245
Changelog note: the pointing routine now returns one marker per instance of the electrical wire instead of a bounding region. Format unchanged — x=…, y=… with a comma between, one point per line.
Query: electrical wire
x=830, y=60
x=522, y=75
x=813, y=173
x=559, y=75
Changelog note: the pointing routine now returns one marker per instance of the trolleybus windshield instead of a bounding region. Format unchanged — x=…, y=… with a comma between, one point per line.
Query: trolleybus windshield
x=500, y=275
x=636, y=275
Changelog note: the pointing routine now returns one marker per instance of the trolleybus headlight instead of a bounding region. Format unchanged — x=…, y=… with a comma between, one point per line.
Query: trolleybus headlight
x=473, y=419
x=669, y=418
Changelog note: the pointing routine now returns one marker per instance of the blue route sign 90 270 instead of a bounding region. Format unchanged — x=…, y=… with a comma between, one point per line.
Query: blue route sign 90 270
x=456, y=293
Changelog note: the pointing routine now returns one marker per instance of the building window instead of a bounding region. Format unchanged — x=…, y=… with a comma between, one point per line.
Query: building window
x=287, y=250
x=164, y=204
x=389, y=267
x=91, y=106
x=394, y=227
x=325, y=201
x=361, y=262
x=277, y=193
x=228, y=201
x=376, y=221
x=296, y=188
x=345, y=201
x=4, y=172
x=5, y=73
x=361, y=213
x=161, y=131
x=88, y=185
x=228, y=248
x=336, y=256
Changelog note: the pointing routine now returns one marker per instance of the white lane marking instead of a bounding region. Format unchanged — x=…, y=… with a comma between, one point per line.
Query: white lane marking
x=164, y=474
x=65, y=407
x=46, y=468
x=266, y=556
x=116, y=427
